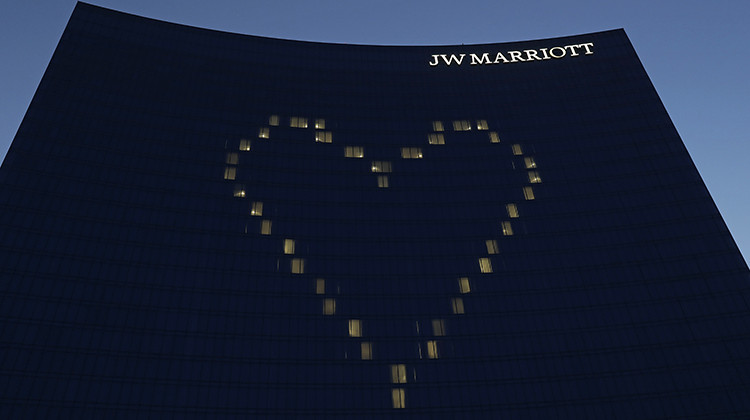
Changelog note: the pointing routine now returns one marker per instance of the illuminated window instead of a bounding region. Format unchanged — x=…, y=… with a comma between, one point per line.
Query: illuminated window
x=329, y=306
x=320, y=124
x=457, y=305
x=265, y=227
x=507, y=229
x=382, y=181
x=438, y=327
x=264, y=132
x=438, y=138
x=494, y=138
x=529, y=162
x=512, y=210
x=492, y=246
x=239, y=190
x=273, y=120
x=485, y=265
x=411, y=152
x=398, y=396
x=323, y=137
x=528, y=193
x=432, y=349
x=289, y=246
x=461, y=125
x=517, y=149
x=298, y=122
x=482, y=125
x=233, y=158
x=298, y=265
x=463, y=285
x=355, y=328
x=230, y=172
x=381, y=166
x=354, y=152
x=437, y=126
x=245, y=145
x=366, y=348
x=256, y=209
x=534, y=177
x=320, y=286
x=398, y=374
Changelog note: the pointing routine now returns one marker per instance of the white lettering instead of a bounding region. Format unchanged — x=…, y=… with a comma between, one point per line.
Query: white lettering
x=485, y=59
x=453, y=58
x=515, y=56
x=531, y=55
x=434, y=61
x=571, y=48
x=586, y=46
x=552, y=52
x=500, y=57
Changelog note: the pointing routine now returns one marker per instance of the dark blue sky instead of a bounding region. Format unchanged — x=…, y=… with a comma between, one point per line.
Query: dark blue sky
x=695, y=52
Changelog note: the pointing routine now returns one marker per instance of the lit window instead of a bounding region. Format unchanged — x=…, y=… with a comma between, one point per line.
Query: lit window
x=457, y=305
x=492, y=246
x=230, y=172
x=507, y=229
x=398, y=374
x=411, y=152
x=256, y=209
x=320, y=124
x=494, y=138
x=528, y=193
x=398, y=396
x=233, y=158
x=438, y=138
x=323, y=137
x=382, y=181
x=298, y=122
x=239, y=190
x=298, y=265
x=512, y=210
x=329, y=306
x=264, y=132
x=366, y=348
x=485, y=265
x=534, y=177
x=437, y=126
x=482, y=125
x=273, y=120
x=355, y=328
x=438, y=327
x=529, y=162
x=432, y=349
x=289, y=246
x=354, y=152
x=381, y=166
x=517, y=149
x=463, y=285
x=320, y=286
x=461, y=125
x=265, y=227
x=245, y=145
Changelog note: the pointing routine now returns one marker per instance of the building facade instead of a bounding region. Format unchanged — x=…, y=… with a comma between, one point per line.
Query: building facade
x=198, y=224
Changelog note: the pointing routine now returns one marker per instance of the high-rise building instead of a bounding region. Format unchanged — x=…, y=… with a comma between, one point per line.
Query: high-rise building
x=198, y=224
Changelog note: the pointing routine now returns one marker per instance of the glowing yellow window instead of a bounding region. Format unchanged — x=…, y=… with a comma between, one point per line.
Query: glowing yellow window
x=298, y=265
x=273, y=120
x=264, y=132
x=366, y=348
x=492, y=247
x=265, y=227
x=233, y=158
x=381, y=166
x=457, y=305
x=323, y=137
x=482, y=125
x=432, y=349
x=354, y=152
x=461, y=125
x=298, y=122
x=529, y=162
x=512, y=210
x=245, y=145
x=411, y=152
x=494, y=138
x=436, y=138
x=289, y=246
x=507, y=228
x=355, y=328
x=230, y=172
x=437, y=126
x=528, y=193
x=398, y=396
x=463, y=285
x=320, y=286
x=256, y=209
x=239, y=191
x=329, y=306
x=485, y=265
x=438, y=327
x=382, y=181
x=398, y=374
x=517, y=149
x=320, y=124
x=534, y=177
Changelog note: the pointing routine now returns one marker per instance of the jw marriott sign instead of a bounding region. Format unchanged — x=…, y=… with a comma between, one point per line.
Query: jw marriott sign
x=540, y=54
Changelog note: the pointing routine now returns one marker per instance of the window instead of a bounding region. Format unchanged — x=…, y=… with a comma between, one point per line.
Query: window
x=329, y=306
x=438, y=327
x=230, y=173
x=256, y=209
x=485, y=265
x=298, y=122
x=264, y=132
x=245, y=145
x=457, y=305
x=507, y=229
x=482, y=125
x=534, y=177
x=354, y=152
x=398, y=374
x=512, y=210
x=320, y=124
x=366, y=348
x=438, y=138
x=492, y=246
x=323, y=137
x=411, y=152
x=239, y=190
x=528, y=193
x=233, y=158
x=529, y=162
x=461, y=125
x=517, y=149
x=289, y=246
x=298, y=265
x=437, y=126
x=320, y=286
x=382, y=181
x=273, y=120
x=463, y=285
x=355, y=328
x=432, y=349
x=265, y=227
x=381, y=166
x=398, y=396
x=494, y=138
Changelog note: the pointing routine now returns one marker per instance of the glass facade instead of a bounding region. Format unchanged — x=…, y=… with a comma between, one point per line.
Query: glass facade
x=197, y=224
